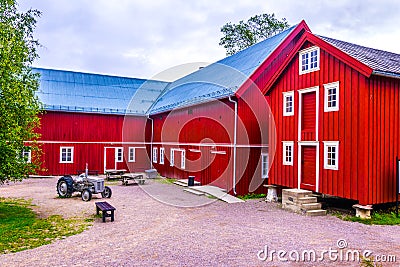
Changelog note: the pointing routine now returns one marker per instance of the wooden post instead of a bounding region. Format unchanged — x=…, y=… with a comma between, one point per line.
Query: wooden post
x=397, y=185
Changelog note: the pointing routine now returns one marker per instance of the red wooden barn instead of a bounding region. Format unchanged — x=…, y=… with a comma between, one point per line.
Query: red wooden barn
x=94, y=119
x=324, y=114
x=336, y=107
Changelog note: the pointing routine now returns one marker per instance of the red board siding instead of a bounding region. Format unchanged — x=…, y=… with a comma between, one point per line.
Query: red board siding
x=308, y=115
x=89, y=134
x=366, y=126
x=308, y=167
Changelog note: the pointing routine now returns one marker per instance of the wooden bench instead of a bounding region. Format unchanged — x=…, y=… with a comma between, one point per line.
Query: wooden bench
x=105, y=208
x=129, y=177
x=116, y=174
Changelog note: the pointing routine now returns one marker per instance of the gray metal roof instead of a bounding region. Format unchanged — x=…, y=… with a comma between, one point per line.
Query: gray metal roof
x=94, y=93
x=382, y=62
x=220, y=79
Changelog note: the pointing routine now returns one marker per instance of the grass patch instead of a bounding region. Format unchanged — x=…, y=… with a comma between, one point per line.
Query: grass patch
x=165, y=180
x=252, y=196
x=377, y=218
x=21, y=229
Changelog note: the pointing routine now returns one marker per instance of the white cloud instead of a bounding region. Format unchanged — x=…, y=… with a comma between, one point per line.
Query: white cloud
x=140, y=38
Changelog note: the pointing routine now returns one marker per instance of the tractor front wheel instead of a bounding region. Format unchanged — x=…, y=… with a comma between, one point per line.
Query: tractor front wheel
x=86, y=195
x=65, y=186
x=107, y=192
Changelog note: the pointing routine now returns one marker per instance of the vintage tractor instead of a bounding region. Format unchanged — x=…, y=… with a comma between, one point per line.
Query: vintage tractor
x=86, y=185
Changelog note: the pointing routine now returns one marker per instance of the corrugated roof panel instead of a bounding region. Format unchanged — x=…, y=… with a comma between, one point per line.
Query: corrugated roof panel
x=85, y=92
x=219, y=79
x=378, y=60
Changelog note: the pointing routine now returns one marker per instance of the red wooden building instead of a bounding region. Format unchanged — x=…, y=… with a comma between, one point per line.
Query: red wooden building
x=336, y=107
x=321, y=113
x=86, y=121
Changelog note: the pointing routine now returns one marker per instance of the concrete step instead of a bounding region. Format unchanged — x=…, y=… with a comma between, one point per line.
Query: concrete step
x=180, y=183
x=311, y=206
x=296, y=193
x=197, y=193
x=185, y=181
x=316, y=212
x=306, y=200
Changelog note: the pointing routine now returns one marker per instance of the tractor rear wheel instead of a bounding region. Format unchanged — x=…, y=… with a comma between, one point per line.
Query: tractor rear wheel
x=86, y=195
x=65, y=186
x=107, y=192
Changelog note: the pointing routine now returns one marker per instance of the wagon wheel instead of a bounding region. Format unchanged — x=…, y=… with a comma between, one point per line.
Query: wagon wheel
x=86, y=195
x=107, y=192
x=65, y=186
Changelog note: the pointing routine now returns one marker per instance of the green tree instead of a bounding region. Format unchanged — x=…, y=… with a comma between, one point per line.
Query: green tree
x=19, y=106
x=244, y=34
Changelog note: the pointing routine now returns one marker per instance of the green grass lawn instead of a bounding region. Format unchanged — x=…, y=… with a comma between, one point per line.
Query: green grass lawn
x=20, y=227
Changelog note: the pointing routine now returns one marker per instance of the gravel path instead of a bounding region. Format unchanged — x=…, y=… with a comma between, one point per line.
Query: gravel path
x=147, y=232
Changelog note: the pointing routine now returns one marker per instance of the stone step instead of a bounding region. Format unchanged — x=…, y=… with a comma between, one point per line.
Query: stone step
x=296, y=193
x=180, y=183
x=197, y=193
x=316, y=212
x=311, y=206
x=306, y=200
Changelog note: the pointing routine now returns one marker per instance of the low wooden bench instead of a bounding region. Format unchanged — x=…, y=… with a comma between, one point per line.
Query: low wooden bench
x=90, y=172
x=114, y=174
x=129, y=177
x=105, y=208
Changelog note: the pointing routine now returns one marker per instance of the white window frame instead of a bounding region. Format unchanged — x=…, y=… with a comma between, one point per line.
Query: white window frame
x=66, y=148
x=162, y=155
x=264, y=160
x=308, y=52
x=172, y=157
x=286, y=95
x=285, y=145
x=334, y=85
x=131, y=154
x=155, y=154
x=27, y=155
x=328, y=144
x=119, y=154
x=183, y=159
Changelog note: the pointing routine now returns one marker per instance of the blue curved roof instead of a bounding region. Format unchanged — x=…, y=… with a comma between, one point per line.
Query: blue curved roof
x=94, y=93
x=220, y=79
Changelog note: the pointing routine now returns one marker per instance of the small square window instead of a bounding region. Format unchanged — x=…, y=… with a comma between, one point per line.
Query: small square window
x=27, y=155
x=155, y=156
x=119, y=154
x=287, y=153
x=331, y=100
x=288, y=103
x=162, y=152
x=264, y=165
x=309, y=60
x=132, y=154
x=331, y=155
x=66, y=154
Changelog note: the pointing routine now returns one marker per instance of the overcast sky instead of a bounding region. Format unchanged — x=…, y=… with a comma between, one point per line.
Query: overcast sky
x=140, y=38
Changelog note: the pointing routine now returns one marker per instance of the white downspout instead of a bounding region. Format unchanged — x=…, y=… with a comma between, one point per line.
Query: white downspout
x=234, y=145
x=151, y=141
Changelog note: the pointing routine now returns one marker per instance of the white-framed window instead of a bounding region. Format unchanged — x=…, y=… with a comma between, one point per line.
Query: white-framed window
x=27, y=155
x=155, y=156
x=183, y=159
x=288, y=103
x=287, y=152
x=162, y=153
x=331, y=99
x=331, y=155
x=309, y=60
x=132, y=154
x=172, y=158
x=264, y=165
x=66, y=154
x=119, y=154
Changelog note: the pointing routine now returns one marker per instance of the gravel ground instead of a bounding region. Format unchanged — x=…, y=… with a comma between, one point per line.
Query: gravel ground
x=148, y=232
